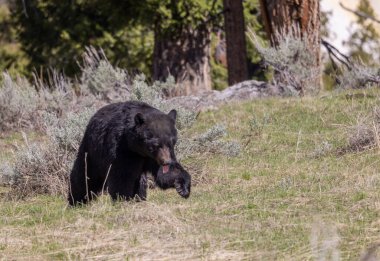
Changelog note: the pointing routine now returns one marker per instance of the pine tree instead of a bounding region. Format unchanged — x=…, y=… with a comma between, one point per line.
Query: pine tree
x=12, y=59
x=364, y=41
x=234, y=25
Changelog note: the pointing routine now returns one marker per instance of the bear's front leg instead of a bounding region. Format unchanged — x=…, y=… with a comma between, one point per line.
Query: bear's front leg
x=124, y=178
x=141, y=187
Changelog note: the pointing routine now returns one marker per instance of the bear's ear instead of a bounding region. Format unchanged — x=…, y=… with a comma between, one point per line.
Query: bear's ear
x=139, y=119
x=173, y=114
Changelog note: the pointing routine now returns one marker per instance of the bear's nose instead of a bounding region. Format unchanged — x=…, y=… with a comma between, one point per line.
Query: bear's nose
x=167, y=162
x=170, y=162
x=164, y=156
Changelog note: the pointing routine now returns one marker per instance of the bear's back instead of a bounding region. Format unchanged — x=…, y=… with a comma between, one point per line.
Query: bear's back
x=107, y=126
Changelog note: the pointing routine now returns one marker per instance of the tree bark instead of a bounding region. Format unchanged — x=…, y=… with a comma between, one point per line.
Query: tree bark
x=235, y=41
x=185, y=56
x=281, y=16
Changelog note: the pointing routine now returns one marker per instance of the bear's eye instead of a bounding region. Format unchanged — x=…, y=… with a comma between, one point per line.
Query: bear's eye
x=153, y=144
x=148, y=135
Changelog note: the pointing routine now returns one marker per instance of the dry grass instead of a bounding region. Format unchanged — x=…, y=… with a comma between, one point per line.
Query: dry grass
x=279, y=200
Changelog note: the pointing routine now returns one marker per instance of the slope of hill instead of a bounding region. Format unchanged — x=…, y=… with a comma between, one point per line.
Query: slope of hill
x=290, y=195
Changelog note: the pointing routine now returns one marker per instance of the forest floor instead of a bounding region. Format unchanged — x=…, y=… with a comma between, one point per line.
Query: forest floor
x=290, y=195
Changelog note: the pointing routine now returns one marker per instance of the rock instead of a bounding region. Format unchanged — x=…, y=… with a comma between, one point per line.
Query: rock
x=248, y=90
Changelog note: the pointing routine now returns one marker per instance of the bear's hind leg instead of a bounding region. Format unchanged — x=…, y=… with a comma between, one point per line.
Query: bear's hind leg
x=82, y=188
x=77, y=184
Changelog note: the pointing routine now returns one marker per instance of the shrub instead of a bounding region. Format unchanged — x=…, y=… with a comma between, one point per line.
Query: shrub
x=359, y=76
x=153, y=95
x=38, y=170
x=292, y=59
x=210, y=142
x=44, y=167
x=22, y=104
x=102, y=79
x=366, y=134
x=67, y=133
x=19, y=103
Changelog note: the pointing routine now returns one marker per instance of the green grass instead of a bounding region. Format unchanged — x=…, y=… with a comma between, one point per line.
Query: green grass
x=283, y=198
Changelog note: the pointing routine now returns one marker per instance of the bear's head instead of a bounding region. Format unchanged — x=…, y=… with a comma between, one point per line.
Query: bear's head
x=158, y=136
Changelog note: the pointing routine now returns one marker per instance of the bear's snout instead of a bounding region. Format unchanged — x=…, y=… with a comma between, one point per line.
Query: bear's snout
x=164, y=157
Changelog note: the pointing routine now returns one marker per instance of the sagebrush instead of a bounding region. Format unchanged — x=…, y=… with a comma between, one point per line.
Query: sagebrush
x=293, y=60
x=44, y=167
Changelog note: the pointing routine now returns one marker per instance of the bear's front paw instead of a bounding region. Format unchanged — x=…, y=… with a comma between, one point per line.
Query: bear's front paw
x=182, y=187
x=176, y=177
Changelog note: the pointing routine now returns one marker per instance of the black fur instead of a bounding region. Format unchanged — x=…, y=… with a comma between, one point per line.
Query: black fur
x=177, y=178
x=126, y=140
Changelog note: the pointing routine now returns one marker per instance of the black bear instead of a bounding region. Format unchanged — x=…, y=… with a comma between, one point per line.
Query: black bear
x=177, y=177
x=123, y=142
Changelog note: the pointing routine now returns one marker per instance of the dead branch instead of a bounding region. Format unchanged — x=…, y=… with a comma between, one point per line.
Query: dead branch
x=334, y=52
x=360, y=14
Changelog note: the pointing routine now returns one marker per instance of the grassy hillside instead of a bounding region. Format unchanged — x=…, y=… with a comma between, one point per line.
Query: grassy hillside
x=289, y=196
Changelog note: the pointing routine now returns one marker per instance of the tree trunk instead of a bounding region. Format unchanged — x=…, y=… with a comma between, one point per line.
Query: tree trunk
x=185, y=56
x=235, y=41
x=280, y=16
